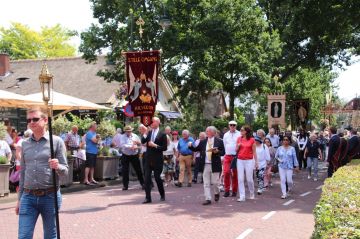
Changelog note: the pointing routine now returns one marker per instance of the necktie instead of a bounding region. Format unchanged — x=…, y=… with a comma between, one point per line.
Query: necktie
x=209, y=153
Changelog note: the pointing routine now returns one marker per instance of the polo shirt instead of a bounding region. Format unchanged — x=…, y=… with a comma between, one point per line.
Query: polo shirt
x=183, y=146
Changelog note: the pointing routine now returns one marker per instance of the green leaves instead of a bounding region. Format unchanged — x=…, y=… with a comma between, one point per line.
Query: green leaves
x=20, y=42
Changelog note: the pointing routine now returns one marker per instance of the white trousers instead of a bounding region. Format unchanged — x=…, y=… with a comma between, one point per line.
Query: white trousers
x=285, y=176
x=210, y=179
x=245, y=168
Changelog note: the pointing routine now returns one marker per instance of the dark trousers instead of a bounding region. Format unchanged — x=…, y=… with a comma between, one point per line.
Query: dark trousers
x=196, y=168
x=330, y=170
x=302, y=161
x=135, y=162
x=148, y=181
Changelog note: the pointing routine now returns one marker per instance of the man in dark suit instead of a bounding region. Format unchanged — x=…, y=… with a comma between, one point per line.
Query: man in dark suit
x=211, y=149
x=354, y=145
x=334, y=144
x=156, y=143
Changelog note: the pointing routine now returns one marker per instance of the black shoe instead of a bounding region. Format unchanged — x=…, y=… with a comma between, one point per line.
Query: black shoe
x=189, y=185
x=146, y=201
x=178, y=185
x=162, y=198
x=143, y=187
x=226, y=194
x=125, y=188
x=207, y=202
x=234, y=194
x=217, y=197
x=194, y=181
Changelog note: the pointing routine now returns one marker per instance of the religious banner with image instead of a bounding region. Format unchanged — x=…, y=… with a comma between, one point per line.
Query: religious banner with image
x=276, y=111
x=301, y=109
x=142, y=70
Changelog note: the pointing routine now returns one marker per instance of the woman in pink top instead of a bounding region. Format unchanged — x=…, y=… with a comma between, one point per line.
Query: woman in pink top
x=246, y=161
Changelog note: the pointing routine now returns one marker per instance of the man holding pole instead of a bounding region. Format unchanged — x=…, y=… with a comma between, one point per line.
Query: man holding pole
x=36, y=191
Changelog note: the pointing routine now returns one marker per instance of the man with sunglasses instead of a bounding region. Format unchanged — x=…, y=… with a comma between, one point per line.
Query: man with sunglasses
x=230, y=174
x=36, y=191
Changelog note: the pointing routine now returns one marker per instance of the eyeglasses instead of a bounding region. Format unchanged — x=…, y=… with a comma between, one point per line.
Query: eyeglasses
x=232, y=124
x=32, y=120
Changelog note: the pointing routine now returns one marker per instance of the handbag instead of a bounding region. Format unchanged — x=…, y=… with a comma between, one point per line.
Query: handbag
x=14, y=176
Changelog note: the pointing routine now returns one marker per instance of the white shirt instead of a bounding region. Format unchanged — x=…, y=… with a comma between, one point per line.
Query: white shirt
x=116, y=140
x=8, y=138
x=154, y=133
x=230, y=142
x=170, y=147
x=263, y=155
x=127, y=143
x=4, y=148
x=209, y=141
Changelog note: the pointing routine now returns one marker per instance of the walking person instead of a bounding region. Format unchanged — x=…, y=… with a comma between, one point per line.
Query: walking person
x=169, y=154
x=156, y=143
x=130, y=146
x=36, y=191
x=286, y=157
x=354, y=146
x=230, y=174
x=211, y=149
x=263, y=157
x=274, y=138
x=198, y=166
x=185, y=158
x=270, y=164
x=92, y=139
x=313, y=153
x=302, y=141
x=246, y=162
x=334, y=144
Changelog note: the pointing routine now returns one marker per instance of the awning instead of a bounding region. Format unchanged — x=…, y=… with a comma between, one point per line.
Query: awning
x=12, y=100
x=170, y=114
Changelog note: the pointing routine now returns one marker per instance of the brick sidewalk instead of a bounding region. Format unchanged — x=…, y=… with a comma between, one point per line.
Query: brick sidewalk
x=109, y=212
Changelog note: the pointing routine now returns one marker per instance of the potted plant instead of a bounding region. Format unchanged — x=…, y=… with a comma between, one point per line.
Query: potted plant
x=106, y=165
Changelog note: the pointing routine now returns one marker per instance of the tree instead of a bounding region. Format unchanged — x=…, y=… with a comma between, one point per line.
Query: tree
x=20, y=42
x=315, y=33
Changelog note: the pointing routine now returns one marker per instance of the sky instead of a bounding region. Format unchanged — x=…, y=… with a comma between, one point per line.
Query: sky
x=77, y=15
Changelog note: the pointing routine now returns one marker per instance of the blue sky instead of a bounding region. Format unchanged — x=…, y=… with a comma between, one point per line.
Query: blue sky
x=77, y=15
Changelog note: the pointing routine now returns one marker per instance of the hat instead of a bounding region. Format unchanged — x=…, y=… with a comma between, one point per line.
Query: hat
x=257, y=138
x=128, y=128
x=175, y=133
x=233, y=122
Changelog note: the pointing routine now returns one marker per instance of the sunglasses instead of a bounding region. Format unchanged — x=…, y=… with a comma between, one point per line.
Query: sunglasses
x=32, y=120
x=232, y=124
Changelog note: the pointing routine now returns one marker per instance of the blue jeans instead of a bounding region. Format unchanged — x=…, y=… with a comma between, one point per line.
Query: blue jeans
x=30, y=208
x=310, y=162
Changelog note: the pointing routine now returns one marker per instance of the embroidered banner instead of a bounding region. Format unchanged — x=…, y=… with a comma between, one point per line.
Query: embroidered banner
x=142, y=69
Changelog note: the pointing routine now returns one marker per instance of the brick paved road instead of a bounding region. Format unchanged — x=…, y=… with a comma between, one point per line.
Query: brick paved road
x=111, y=213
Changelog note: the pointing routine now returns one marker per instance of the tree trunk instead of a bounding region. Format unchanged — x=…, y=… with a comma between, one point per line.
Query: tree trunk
x=232, y=105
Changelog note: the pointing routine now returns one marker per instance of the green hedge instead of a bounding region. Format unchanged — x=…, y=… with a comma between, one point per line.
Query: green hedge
x=337, y=214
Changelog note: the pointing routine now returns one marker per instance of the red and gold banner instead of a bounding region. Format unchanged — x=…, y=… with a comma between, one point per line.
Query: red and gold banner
x=142, y=70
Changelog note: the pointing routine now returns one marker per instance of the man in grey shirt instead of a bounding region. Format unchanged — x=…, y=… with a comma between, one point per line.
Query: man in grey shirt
x=36, y=191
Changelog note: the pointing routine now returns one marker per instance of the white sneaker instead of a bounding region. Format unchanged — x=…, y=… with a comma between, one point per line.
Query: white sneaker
x=241, y=200
x=309, y=177
x=283, y=197
x=315, y=179
x=252, y=196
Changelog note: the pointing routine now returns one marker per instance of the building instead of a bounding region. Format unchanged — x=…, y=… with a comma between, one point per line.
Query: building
x=74, y=77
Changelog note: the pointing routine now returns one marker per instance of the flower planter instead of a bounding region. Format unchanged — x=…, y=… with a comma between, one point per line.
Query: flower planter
x=106, y=167
x=4, y=179
x=68, y=180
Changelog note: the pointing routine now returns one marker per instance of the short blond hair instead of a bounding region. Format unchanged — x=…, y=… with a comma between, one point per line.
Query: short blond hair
x=43, y=111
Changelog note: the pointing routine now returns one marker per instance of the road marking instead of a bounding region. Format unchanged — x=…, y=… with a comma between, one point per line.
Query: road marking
x=267, y=216
x=245, y=233
x=318, y=188
x=289, y=202
x=304, y=194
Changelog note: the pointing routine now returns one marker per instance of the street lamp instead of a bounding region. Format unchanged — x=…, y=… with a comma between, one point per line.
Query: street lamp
x=46, y=80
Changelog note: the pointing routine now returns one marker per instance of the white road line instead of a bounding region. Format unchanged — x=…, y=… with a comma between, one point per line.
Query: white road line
x=318, y=188
x=289, y=202
x=245, y=233
x=267, y=216
x=304, y=194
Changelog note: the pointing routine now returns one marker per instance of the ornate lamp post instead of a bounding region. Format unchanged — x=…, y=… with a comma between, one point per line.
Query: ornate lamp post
x=46, y=80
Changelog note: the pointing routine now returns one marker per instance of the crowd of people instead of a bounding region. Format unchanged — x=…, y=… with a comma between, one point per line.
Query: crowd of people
x=227, y=161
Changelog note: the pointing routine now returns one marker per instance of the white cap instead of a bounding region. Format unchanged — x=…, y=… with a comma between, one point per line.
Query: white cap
x=233, y=122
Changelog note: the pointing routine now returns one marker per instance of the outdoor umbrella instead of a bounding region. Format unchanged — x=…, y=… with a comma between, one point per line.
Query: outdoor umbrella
x=61, y=101
x=12, y=100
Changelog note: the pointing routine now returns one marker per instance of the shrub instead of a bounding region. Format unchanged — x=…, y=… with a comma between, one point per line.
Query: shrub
x=106, y=129
x=3, y=160
x=61, y=125
x=337, y=214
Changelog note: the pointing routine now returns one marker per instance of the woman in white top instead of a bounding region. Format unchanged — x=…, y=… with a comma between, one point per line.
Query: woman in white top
x=302, y=140
x=263, y=157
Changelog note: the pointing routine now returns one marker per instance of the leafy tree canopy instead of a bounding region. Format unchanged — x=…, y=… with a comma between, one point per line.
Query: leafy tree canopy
x=20, y=42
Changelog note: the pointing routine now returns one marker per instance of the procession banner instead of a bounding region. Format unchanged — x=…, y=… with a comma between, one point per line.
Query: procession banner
x=301, y=108
x=142, y=70
x=276, y=111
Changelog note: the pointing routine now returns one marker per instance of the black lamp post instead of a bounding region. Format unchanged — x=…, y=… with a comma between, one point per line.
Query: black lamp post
x=46, y=80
